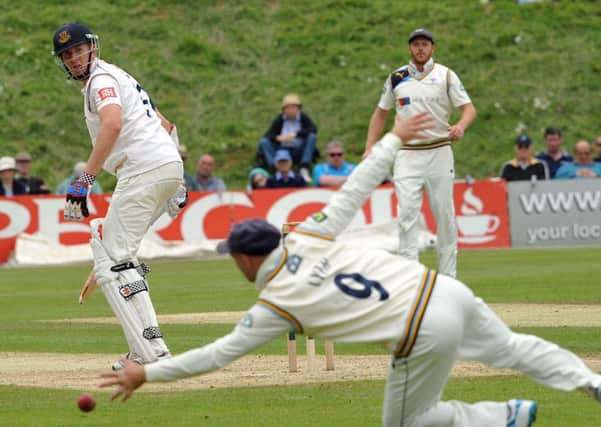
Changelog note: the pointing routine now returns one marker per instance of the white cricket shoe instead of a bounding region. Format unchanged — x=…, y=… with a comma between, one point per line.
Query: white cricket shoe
x=118, y=365
x=521, y=413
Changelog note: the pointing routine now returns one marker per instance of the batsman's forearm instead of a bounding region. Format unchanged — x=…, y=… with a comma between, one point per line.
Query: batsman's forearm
x=105, y=140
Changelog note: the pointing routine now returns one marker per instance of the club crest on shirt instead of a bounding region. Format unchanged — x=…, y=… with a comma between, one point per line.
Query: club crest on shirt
x=107, y=92
x=293, y=263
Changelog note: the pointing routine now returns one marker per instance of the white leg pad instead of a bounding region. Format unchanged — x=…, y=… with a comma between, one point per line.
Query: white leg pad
x=127, y=294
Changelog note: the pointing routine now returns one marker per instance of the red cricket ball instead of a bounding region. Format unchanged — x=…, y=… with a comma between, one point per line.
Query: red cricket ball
x=86, y=402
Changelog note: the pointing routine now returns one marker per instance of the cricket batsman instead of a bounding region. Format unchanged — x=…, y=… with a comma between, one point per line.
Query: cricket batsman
x=130, y=141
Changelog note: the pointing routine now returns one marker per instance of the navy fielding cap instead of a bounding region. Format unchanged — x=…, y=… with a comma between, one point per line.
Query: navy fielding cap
x=251, y=237
x=523, y=140
x=420, y=32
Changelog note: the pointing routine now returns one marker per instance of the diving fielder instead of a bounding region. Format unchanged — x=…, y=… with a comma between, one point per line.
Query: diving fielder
x=313, y=285
x=129, y=141
x=425, y=86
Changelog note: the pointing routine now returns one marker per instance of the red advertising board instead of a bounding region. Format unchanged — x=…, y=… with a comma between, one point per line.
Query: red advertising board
x=481, y=214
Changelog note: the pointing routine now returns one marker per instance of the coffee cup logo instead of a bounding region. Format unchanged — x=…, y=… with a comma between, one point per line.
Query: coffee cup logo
x=474, y=226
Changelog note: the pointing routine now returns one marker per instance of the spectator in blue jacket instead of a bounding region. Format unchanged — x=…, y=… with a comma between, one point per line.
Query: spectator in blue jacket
x=335, y=171
x=284, y=177
x=554, y=155
x=583, y=165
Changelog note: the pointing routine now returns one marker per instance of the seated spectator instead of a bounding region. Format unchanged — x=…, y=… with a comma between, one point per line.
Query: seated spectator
x=284, y=177
x=257, y=179
x=9, y=186
x=33, y=185
x=582, y=166
x=554, y=155
x=204, y=179
x=523, y=167
x=189, y=180
x=335, y=171
x=598, y=149
x=78, y=169
x=293, y=130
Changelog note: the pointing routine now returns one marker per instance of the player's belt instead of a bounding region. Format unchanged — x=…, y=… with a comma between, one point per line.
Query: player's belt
x=435, y=143
x=416, y=314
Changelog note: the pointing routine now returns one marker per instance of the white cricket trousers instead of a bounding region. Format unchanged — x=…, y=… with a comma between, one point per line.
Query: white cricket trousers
x=458, y=325
x=433, y=170
x=136, y=203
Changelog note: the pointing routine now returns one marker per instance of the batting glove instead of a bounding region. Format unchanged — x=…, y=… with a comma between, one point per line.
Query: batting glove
x=76, y=203
x=178, y=202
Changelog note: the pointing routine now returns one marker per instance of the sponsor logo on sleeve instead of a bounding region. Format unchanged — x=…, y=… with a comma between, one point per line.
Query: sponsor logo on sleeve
x=404, y=101
x=107, y=92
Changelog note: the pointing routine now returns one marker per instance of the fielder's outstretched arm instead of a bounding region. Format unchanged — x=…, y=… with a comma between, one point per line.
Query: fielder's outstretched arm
x=344, y=204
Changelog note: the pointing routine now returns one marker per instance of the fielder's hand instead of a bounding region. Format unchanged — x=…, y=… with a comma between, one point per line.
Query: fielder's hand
x=411, y=128
x=127, y=380
x=76, y=203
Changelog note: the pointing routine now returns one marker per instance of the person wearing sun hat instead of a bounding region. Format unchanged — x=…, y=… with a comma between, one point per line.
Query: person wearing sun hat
x=9, y=186
x=293, y=130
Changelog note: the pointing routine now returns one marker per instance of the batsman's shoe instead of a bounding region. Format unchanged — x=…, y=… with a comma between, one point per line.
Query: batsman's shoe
x=118, y=365
x=521, y=413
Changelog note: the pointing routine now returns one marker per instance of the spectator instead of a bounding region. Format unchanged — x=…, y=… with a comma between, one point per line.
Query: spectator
x=189, y=181
x=78, y=169
x=582, y=166
x=523, y=167
x=293, y=130
x=9, y=186
x=598, y=149
x=284, y=177
x=554, y=156
x=204, y=180
x=33, y=185
x=257, y=179
x=335, y=171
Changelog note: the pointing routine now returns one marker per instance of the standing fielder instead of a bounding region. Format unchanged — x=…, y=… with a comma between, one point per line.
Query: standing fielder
x=130, y=141
x=423, y=86
x=311, y=284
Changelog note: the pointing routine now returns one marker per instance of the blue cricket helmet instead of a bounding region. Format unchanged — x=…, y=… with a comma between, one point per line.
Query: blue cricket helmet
x=71, y=34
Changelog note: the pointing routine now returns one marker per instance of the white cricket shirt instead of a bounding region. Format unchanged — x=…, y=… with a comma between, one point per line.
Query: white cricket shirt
x=434, y=93
x=143, y=144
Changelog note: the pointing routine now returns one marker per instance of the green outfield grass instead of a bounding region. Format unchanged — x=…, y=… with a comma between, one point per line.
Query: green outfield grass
x=28, y=295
